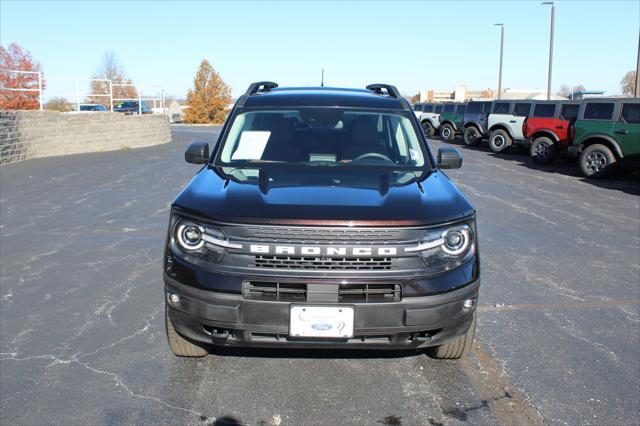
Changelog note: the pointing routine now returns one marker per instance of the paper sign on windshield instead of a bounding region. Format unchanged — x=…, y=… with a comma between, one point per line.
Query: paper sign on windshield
x=251, y=145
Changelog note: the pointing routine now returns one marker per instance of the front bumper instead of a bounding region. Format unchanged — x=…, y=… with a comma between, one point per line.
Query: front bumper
x=230, y=320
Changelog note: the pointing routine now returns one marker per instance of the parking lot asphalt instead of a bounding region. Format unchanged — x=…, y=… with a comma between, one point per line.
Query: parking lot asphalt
x=81, y=320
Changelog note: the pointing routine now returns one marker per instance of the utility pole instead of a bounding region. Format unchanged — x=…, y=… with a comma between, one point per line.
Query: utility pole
x=553, y=10
x=637, y=86
x=501, y=51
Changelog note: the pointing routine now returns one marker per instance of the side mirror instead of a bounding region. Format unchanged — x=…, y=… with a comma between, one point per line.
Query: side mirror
x=197, y=153
x=449, y=158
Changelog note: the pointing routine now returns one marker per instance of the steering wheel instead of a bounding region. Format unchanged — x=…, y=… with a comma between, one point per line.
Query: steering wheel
x=376, y=155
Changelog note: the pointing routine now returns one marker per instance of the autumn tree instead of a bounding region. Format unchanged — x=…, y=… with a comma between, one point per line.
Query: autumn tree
x=415, y=98
x=110, y=69
x=567, y=91
x=210, y=97
x=628, y=83
x=15, y=58
x=59, y=104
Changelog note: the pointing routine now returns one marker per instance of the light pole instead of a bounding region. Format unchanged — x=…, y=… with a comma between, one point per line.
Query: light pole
x=553, y=10
x=637, y=85
x=501, y=50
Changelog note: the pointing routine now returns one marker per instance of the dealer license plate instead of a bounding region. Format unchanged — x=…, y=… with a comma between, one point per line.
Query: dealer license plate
x=321, y=321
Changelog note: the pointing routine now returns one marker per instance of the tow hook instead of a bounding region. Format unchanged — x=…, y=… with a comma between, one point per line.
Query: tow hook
x=218, y=335
x=421, y=339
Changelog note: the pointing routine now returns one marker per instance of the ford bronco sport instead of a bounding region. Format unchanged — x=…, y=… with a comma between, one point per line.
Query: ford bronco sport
x=607, y=131
x=430, y=118
x=451, y=121
x=506, y=124
x=475, y=122
x=548, y=129
x=321, y=219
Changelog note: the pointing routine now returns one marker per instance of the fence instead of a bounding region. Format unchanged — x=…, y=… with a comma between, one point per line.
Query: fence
x=26, y=89
x=78, y=95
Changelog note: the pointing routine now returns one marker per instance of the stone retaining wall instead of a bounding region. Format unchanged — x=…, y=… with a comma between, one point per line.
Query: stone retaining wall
x=33, y=134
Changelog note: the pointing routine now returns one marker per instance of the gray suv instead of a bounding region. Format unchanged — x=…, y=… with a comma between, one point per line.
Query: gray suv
x=475, y=122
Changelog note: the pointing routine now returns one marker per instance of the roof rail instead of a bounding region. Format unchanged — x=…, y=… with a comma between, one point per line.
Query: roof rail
x=390, y=89
x=265, y=85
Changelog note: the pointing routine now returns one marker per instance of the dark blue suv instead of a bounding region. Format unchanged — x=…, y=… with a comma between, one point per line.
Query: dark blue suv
x=321, y=219
x=132, y=107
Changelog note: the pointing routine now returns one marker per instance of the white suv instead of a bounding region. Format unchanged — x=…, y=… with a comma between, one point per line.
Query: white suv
x=506, y=123
x=430, y=118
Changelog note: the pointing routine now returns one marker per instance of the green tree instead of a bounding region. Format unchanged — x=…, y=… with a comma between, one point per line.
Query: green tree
x=208, y=101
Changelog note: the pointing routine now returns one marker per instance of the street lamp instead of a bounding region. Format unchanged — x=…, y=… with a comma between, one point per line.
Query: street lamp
x=636, y=89
x=501, y=50
x=553, y=10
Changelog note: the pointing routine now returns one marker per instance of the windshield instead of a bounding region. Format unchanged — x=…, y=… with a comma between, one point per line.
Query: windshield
x=324, y=138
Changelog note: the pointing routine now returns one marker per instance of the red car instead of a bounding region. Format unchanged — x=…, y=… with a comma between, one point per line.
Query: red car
x=548, y=129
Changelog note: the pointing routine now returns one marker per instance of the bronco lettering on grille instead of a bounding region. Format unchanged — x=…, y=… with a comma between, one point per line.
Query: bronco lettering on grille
x=323, y=251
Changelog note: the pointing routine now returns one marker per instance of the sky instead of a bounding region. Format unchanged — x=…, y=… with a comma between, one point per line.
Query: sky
x=416, y=45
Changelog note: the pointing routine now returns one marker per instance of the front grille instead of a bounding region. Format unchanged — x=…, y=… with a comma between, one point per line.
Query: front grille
x=325, y=235
x=317, y=263
x=297, y=292
x=285, y=292
x=369, y=293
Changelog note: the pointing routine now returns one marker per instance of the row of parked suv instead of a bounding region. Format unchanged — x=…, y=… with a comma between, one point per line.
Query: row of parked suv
x=600, y=132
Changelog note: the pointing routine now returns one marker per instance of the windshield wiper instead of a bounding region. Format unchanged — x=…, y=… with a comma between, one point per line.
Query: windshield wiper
x=263, y=181
x=416, y=179
x=383, y=183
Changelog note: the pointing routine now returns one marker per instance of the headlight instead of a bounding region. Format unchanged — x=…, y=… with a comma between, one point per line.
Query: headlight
x=442, y=249
x=456, y=240
x=189, y=236
x=199, y=240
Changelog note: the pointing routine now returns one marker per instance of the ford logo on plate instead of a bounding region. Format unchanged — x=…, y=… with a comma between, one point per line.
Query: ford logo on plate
x=323, y=326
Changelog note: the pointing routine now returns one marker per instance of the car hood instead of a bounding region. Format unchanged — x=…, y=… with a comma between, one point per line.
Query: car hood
x=436, y=200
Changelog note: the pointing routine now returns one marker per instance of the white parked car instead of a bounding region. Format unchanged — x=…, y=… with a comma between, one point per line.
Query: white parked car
x=430, y=118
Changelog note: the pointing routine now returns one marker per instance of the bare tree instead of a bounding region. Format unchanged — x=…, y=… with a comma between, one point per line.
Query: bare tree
x=567, y=91
x=627, y=84
x=169, y=99
x=59, y=104
x=110, y=69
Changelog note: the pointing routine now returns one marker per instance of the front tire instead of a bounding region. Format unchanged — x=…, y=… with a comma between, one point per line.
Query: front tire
x=543, y=150
x=447, y=133
x=456, y=348
x=428, y=129
x=178, y=344
x=499, y=141
x=596, y=160
x=472, y=136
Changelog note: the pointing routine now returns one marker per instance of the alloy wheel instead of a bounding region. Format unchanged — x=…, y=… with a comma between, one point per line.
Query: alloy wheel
x=542, y=151
x=596, y=162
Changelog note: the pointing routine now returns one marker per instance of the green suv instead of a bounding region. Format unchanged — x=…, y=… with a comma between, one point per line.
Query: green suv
x=451, y=121
x=606, y=132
